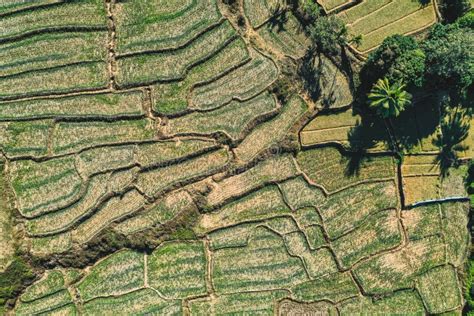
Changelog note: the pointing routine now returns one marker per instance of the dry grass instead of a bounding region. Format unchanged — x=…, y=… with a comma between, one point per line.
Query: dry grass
x=260, y=205
x=275, y=169
x=232, y=119
x=154, y=181
x=113, y=210
x=390, y=271
x=271, y=132
x=161, y=212
x=260, y=72
x=332, y=170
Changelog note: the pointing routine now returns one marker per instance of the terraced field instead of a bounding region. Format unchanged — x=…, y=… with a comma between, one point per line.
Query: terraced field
x=376, y=19
x=147, y=166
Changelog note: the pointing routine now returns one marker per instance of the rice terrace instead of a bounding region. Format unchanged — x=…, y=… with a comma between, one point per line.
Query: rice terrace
x=236, y=157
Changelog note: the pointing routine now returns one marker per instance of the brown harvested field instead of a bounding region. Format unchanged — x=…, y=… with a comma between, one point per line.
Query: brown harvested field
x=420, y=188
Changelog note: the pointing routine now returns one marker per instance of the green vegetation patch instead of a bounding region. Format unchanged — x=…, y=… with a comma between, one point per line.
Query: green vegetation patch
x=274, y=169
x=379, y=19
x=439, y=289
x=298, y=193
x=92, y=106
x=157, y=25
x=52, y=282
x=73, y=136
x=46, y=304
x=87, y=76
x=259, y=11
x=172, y=97
x=34, y=53
x=422, y=221
x=119, y=273
x=16, y=274
x=259, y=205
x=162, y=178
x=141, y=302
x=455, y=217
x=172, y=65
x=6, y=224
x=178, y=269
x=263, y=264
x=25, y=138
x=255, y=303
x=65, y=15
x=400, y=303
x=288, y=38
x=42, y=187
x=271, y=132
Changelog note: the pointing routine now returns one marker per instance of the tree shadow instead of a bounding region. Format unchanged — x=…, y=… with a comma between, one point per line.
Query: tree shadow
x=361, y=139
x=424, y=3
x=278, y=19
x=310, y=72
x=453, y=131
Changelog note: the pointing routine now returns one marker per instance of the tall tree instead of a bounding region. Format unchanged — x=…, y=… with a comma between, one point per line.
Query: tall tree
x=398, y=58
x=389, y=100
x=449, y=52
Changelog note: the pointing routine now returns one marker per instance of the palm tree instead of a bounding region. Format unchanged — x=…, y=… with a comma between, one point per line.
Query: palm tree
x=388, y=100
